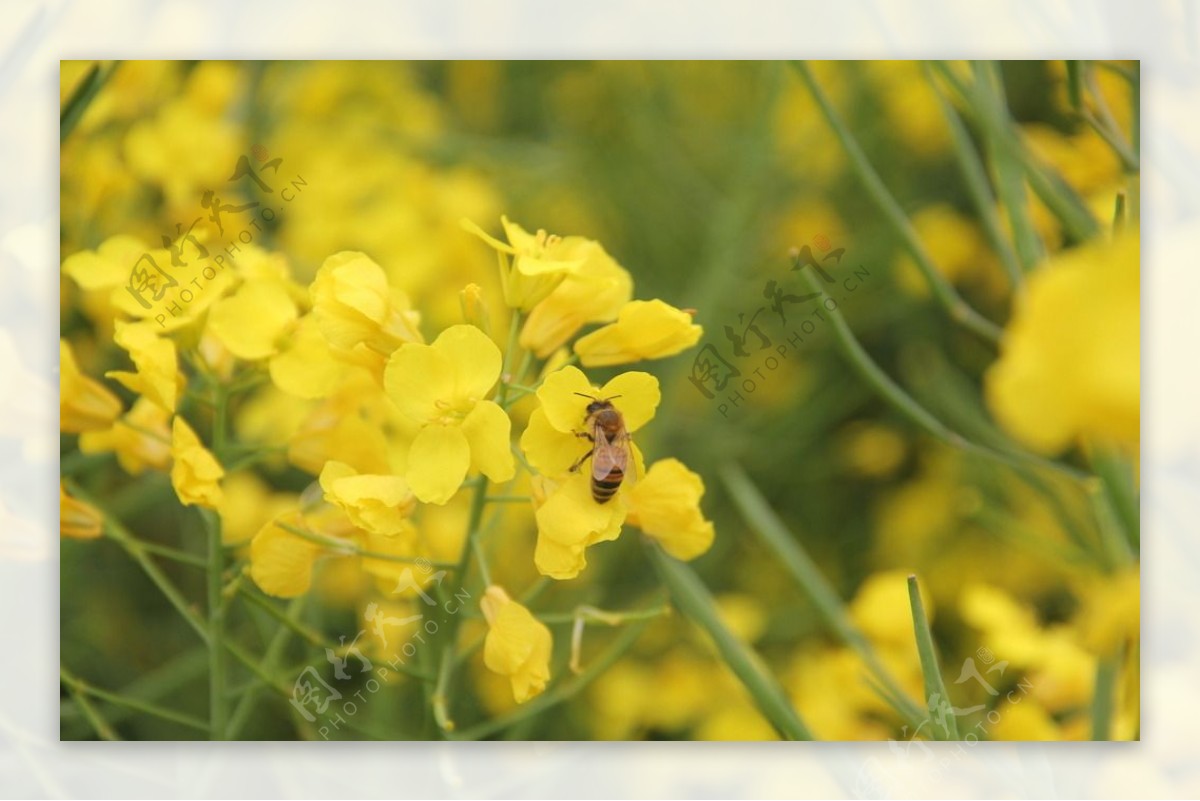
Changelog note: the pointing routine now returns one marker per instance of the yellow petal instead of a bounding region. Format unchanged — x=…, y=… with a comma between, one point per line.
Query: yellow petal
x=157, y=375
x=643, y=330
x=375, y=503
x=517, y=644
x=251, y=321
x=281, y=563
x=305, y=367
x=666, y=505
x=84, y=404
x=489, y=433
x=565, y=396
x=637, y=397
x=475, y=360
x=558, y=561
x=550, y=451
x=196, y=474
x=437, y=463
x=595, y=292
x=78, y=519
x=140, y=439
x=420, y=380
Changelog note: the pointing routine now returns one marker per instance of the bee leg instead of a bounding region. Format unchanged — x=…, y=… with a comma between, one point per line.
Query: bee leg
x=581, y=460
x=585, y=435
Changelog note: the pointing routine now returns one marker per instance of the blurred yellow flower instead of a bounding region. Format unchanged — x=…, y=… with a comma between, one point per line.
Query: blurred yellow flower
x=185, y=148
x=140, y=439
x=156, y=375
x=78, y=519
x=361, y=317
x=1069, y=361
x=281, y=563
x=442, y=388
x=84, y=404
x=305, y=366
x=376, y=504
x=517, y=644
x=196, y=474
x=665, y=504
x=248, y=503
x=251, y=321
x=1111, y=611
x=539, y=262
x=645, y=329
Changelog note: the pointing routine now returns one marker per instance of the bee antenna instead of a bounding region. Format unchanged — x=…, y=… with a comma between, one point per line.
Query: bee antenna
x=612, y=397
x=582, y=395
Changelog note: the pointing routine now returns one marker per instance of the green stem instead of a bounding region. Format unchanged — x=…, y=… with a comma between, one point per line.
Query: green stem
x=936, y=697
x=977, y=184
x=695, y=602
x=174, y=554
x=218, y=712
x=82, y=97
x=345, y=548
x=270, y=661
x=1117, y=478
x=943, y=290
x=154, y=710
x=1104, y=699
x=1010, y=180
x=891, y=392
x=766, y=524
x=99, y=724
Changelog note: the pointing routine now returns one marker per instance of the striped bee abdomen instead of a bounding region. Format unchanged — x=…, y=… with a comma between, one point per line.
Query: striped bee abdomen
x=604, y=488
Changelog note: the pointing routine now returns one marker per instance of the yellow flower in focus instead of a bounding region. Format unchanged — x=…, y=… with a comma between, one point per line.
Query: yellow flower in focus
x=1069, y=362
x=196, y=474
x=281, y=563
x=539, y=262
x=666, y=505
x=251, y=321
x=645, y=329
x=359, y=314
x=157, y=370
x=376, y=504
x=569, y=520
x=595, y=293
x=517, y=644
x=442, y=388
x=140, y=439
x=78, y=519
x=84, y=404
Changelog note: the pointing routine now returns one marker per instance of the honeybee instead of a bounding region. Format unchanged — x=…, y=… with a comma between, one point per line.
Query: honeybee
x=610, y=451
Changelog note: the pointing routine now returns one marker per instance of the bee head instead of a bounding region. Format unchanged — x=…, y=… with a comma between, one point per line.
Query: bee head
x=598, y=404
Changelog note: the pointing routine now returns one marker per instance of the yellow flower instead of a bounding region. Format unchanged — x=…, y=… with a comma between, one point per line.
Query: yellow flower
x=1069, y=361
x=517, y=644
x=248, y=503
x=539, y=261
x=281, y=563
x=1111, y=611
x=442, y=387
x=196, y=474
x=251, y=321
x=377, y=504
x=157, y=371
x=84, y=404
x=140, y=439
x=361, y=317
x=666, y=506
x=594, y=293
x=77, y=519
x=645, y=329
x=569, y=520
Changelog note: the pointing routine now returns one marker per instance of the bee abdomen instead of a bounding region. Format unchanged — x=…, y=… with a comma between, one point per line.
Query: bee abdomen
x=604, y=488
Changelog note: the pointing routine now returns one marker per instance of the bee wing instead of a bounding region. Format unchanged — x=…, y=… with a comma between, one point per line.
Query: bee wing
x=609, y=456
